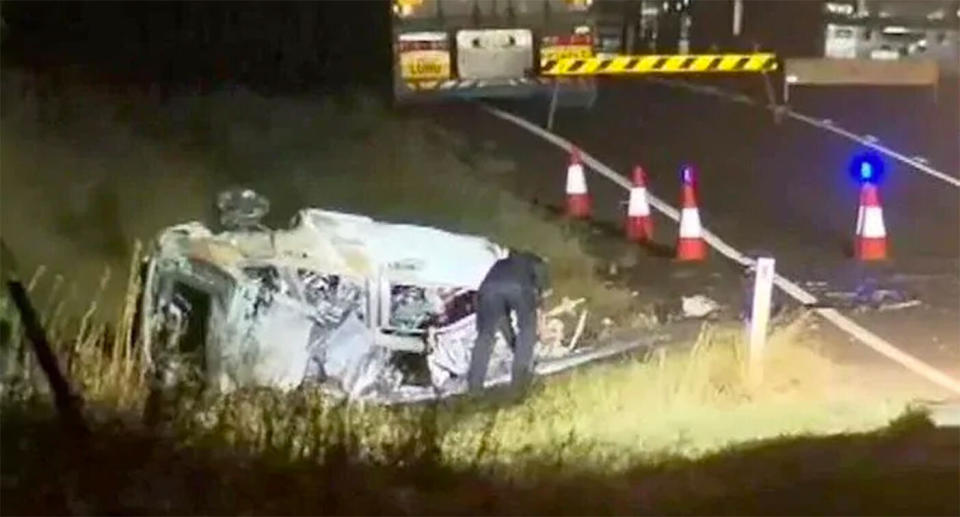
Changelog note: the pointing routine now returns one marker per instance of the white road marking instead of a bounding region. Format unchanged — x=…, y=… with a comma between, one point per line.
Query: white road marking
x=828, y=124
x=798, y=293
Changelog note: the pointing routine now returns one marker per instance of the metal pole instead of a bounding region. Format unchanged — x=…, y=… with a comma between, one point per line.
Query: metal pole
x=553, y=104
x=772, y=98
x=737, y=17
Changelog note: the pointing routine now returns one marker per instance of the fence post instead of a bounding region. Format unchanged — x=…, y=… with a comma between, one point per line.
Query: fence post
x=67, y=403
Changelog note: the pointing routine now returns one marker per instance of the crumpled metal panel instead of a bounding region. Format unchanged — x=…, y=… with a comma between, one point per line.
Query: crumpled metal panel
x=449, y=357
x=350, y=362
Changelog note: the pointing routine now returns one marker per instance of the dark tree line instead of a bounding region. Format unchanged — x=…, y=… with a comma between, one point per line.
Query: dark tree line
x=280, y=46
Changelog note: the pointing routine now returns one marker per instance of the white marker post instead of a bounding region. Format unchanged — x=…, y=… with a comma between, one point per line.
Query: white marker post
x=760, y=315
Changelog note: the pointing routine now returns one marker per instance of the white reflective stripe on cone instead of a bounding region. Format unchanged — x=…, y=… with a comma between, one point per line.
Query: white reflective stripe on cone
x=576, y=183
x=690, y=223
x=859, y=229
x=638, y=203
x=873, y=222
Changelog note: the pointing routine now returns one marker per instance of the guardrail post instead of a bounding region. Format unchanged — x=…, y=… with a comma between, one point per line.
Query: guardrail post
x=773, y=100
x=553, y=105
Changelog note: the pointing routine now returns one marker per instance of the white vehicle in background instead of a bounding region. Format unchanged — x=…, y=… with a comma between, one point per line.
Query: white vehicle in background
x=490, y=48
x=841, y=41
x=894, y=30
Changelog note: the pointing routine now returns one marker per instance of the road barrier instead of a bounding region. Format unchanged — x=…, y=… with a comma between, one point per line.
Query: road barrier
x=660, y=64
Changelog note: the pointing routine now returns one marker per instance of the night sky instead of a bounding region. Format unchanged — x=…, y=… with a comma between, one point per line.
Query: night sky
x=272, y=46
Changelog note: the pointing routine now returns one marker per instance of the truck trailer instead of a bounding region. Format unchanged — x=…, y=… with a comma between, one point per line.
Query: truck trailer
x=475, y=49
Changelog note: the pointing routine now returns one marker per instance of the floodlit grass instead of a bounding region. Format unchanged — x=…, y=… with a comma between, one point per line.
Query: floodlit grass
x=685, y=403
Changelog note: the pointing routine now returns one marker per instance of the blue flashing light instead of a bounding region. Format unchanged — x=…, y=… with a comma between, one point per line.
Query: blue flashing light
x=687, y=174
x=867, y=168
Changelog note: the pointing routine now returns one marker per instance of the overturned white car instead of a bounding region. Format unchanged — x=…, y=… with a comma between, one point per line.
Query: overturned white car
x=370, y=309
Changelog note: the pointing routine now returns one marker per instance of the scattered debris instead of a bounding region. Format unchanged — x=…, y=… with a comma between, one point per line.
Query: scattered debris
x=552, y=333
x=867, y=296
x=566, y=306
x=579, y=331
x=901, y=305
x=698, y=306
x=643, y=320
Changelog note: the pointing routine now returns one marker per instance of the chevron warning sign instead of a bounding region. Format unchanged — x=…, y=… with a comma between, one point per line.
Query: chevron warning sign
x=660, y=64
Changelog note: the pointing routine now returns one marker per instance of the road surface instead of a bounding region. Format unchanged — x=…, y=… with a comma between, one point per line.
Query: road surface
x=776, y=188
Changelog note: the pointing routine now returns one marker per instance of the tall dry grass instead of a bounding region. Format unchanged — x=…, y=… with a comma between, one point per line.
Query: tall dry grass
x=99, y=355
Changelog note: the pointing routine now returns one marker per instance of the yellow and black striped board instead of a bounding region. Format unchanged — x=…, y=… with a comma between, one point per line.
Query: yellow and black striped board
x=660, y=64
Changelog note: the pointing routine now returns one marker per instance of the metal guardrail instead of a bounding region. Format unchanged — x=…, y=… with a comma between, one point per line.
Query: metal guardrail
x=825, y=71
x=660, y=64
x=860, y=72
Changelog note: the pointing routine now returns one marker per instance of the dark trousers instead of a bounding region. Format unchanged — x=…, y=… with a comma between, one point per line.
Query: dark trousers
x=495, y=301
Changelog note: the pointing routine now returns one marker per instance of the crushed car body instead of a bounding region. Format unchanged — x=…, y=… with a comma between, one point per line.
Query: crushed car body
x=366, y=309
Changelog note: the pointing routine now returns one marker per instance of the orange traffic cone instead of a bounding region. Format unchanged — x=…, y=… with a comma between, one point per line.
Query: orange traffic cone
x=639, y=221
x=578, y=199
x=690, y=243
x=871, y=238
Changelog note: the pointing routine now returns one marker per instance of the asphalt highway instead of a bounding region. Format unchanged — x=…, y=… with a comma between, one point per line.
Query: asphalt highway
x=778, y=188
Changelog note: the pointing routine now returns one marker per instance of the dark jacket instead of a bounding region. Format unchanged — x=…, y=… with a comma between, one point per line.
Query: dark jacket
x=523, y=268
